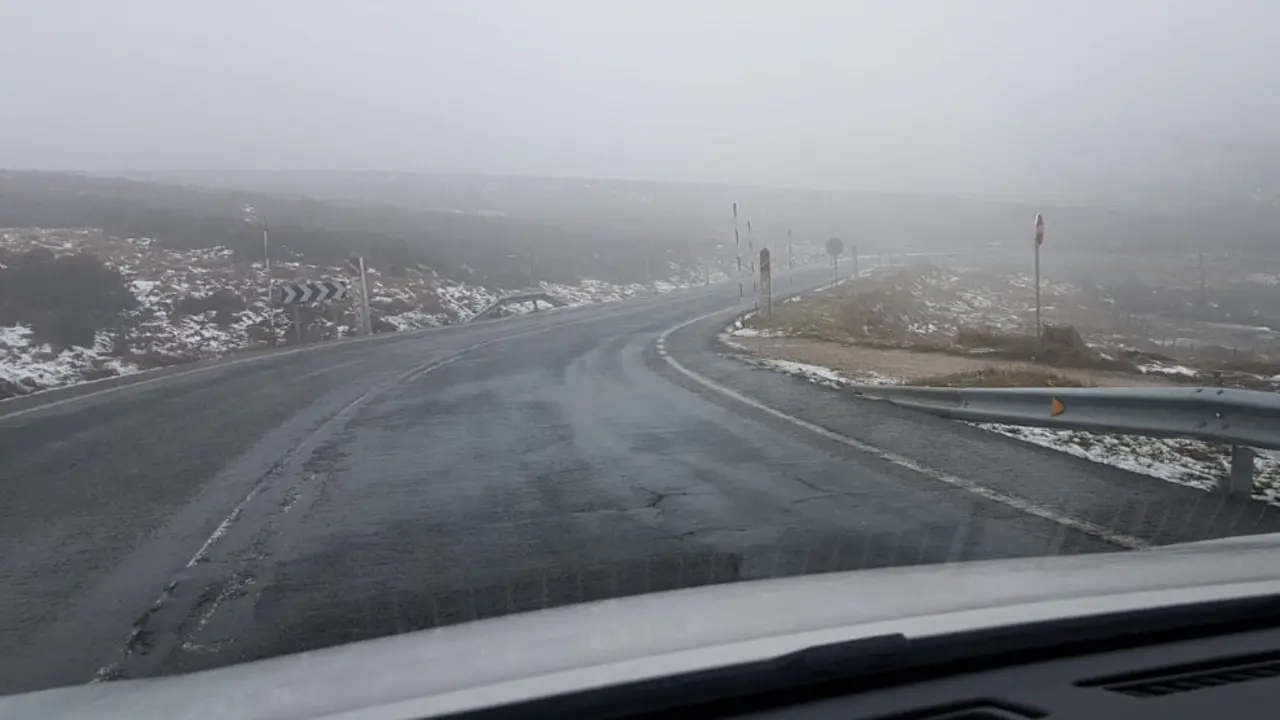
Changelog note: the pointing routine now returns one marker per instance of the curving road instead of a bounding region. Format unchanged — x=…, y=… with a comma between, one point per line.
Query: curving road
x=351, y=491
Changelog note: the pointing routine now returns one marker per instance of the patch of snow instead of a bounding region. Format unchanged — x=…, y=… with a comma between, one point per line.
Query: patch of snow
x=813, y=373
x=749, y=332
x=1187, y=462
x=724, y=338
x=1152, y=368
x=824, y=375
x=164, y=328
x=15, y=337
x=142, y=289
x=413, y=320
x=27, y=368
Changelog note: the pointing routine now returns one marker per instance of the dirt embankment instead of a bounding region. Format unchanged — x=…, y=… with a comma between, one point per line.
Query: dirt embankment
x=921, y=325
x=856, y=361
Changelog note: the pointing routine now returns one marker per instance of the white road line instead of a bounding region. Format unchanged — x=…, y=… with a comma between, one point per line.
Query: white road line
x=1017, y=503
x=227, y=363
x=108, y=670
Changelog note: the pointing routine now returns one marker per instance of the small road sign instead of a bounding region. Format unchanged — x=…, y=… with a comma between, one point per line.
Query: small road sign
x=1057, y=407
x=835, y=246
x=305, y=293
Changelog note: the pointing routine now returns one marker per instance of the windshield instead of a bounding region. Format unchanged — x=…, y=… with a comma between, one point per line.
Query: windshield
x=329, y=322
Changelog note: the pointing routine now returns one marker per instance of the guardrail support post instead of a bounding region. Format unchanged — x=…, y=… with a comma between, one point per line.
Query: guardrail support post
x=1239, y=484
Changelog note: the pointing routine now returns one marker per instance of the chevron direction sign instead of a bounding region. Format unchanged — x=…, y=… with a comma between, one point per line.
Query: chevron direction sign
x=305, y=293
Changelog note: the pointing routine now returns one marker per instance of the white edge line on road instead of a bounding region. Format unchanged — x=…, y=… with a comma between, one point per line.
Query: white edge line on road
x=1017, y=503
x=225, y=362
x=107, y=671
x=220, y=363
x=172, y=376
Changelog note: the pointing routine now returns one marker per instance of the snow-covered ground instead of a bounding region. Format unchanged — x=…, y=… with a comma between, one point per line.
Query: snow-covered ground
x=739, y=329
x=1187, y=462
x=195, y=304
x=824, y=375
x=24, y=364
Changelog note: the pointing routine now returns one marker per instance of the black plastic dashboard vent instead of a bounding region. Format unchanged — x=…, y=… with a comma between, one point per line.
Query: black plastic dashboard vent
x=1167, y=681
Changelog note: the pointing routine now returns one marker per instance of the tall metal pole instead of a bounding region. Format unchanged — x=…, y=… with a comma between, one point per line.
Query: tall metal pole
x=1039, y=242
x=791, y=261
x=1039, y=326
x=766, y=280
x=266, y=264
x=1202, y=282
x=751, y=253
x=364, y=299
x=737, y=250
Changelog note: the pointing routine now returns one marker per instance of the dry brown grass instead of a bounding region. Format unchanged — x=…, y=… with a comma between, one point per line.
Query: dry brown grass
x=873, y=311
x=1061, y=346
x=1259, y=366
x=1000, y=377
x=881, y=312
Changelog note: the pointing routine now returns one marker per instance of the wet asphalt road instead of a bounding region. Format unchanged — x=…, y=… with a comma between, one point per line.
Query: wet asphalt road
x=359, y=490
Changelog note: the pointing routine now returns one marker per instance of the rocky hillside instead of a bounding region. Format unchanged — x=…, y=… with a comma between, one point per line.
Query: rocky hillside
x=79, y=304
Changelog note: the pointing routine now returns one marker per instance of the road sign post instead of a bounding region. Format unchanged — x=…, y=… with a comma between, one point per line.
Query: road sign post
x=295, y=295
x=737, y=250
x=835, y=246
x=251, y=214
x=791, y=262
x=366, y=322
x=364, y=298
x=1039, y=242
x=766, y=281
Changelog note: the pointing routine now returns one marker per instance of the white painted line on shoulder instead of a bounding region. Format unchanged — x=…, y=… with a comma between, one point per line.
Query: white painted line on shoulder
x=1021, y=504
x=109, y=670
x=230, y=363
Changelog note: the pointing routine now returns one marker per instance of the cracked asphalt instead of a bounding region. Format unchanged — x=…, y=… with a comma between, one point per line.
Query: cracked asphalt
x=367, y=489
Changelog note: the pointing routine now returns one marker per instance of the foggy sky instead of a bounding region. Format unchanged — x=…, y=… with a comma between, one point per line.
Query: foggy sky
x=958, y=96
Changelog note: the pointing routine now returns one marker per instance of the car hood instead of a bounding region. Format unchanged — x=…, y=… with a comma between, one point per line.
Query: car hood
x=535, y=654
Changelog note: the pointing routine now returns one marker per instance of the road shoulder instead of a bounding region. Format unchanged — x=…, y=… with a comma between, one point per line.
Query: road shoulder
x=1127, y=503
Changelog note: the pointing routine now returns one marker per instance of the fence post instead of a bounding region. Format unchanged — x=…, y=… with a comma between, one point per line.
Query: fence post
x=1239, y=484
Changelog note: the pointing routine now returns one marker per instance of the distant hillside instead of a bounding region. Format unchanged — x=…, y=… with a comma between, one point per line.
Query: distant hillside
x=490, y=249
x=1206, y=212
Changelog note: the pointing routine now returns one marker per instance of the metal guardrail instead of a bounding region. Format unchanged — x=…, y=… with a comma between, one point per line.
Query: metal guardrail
x=535, y=297
x=1245, y=419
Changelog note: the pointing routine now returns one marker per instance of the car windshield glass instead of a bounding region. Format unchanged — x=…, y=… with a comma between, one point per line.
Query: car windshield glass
x=323, y=323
